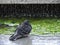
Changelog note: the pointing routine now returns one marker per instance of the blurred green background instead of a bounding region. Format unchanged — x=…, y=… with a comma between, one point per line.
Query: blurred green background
x=40, y=26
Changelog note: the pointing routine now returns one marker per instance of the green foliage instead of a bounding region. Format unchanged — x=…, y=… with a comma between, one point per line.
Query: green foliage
x=39, y=26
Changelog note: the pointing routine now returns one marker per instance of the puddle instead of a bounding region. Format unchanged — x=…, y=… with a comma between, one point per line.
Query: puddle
x=31, y=40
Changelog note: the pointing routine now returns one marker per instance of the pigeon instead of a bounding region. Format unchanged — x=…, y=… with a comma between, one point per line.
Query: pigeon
x=22, y=31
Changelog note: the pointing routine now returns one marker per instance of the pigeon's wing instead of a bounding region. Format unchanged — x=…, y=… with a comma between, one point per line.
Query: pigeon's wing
x=27, y=29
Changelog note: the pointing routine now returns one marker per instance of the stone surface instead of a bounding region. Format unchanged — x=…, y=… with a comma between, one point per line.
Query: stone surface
x=31, y=40
x=29, y=1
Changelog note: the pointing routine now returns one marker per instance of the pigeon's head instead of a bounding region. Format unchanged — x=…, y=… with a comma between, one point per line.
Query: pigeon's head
x=26, y=21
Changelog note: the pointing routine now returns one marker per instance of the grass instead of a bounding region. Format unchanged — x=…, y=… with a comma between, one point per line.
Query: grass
x=39, y=26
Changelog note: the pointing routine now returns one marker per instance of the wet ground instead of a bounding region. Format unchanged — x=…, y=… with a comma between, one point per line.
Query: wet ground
x=31, y=40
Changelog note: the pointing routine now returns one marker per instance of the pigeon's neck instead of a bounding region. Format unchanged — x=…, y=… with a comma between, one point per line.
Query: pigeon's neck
x=26, y=23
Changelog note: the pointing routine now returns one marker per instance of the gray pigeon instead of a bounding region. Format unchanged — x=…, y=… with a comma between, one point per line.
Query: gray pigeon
x=22, y=31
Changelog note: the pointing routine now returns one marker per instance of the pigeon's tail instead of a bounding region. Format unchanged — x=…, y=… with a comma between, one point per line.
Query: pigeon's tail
x=16, y=37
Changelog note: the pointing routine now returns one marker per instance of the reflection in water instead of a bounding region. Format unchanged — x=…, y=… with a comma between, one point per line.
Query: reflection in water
x=24, y=41
x=31, y=40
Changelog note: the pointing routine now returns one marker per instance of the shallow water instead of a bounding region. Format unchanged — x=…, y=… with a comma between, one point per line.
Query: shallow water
x=31, y=40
